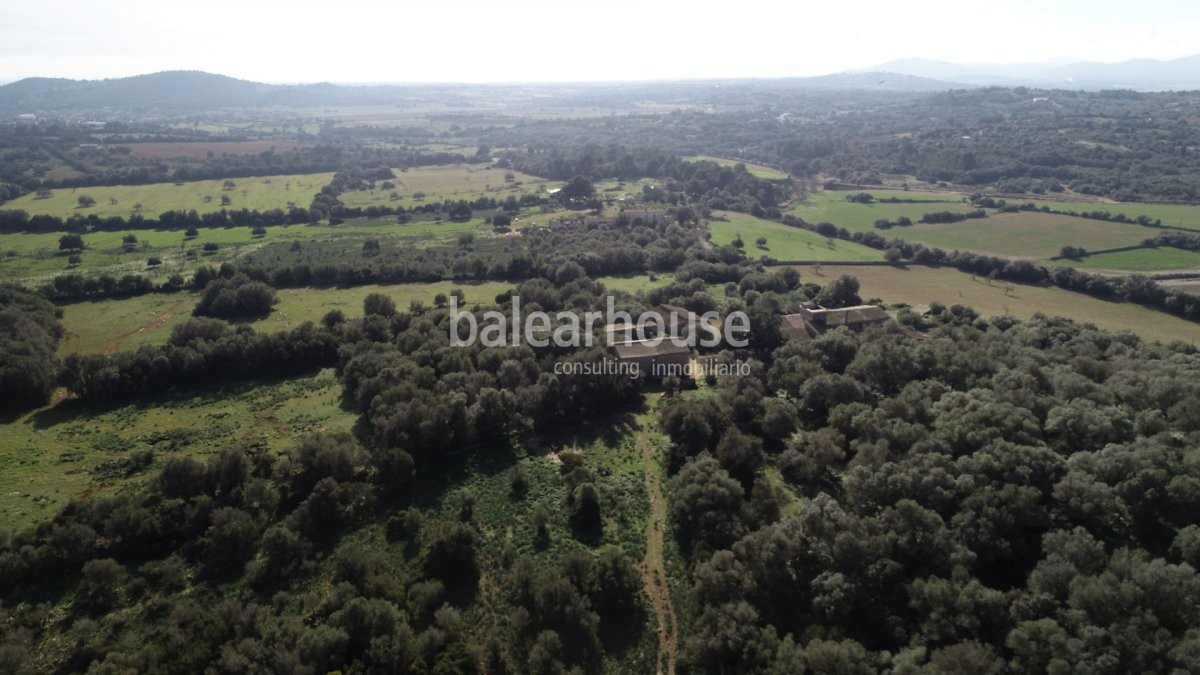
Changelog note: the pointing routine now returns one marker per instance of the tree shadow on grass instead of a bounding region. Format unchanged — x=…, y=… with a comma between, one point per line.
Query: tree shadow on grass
x=73, y=409
x=462, y=592
x=13, y=416
x=620, y=634
x=608, y=429
x=438, y=476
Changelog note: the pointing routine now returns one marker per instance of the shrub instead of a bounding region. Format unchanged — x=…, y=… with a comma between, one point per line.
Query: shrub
x=236, y=297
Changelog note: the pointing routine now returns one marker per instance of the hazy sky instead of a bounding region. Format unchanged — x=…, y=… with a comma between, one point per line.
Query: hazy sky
x=448, y=40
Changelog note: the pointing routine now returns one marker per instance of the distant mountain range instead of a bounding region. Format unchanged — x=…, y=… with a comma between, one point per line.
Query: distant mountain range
x=195, y=90
x=191, y=90
x=1138, y=74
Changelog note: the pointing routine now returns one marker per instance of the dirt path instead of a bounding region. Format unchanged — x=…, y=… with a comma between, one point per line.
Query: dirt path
x=653, y=569
x=114, y=344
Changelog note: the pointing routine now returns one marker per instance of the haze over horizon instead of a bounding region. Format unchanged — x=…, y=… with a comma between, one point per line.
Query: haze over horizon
x=541, y=41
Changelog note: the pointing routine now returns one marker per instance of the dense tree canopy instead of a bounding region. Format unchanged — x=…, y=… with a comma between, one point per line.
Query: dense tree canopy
x=29, y=335
x=236, y=297
x=999, y=494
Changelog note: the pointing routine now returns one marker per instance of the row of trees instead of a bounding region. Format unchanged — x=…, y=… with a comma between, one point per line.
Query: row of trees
x=16, y=220
x=199, y=351
x=1096, y=214
x=952, y=216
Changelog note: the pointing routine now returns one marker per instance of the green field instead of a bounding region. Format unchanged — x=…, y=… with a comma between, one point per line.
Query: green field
x=831, y=206
x=784, y=242
x=923, y=285
x=1186, y=216
x=620, y=191
x=758, y=170
x=106, y=326
x=635, y=283
x=1023, y=235
x=1029, y=235
x=297, y=305
x=51, y=456
x=1140, y=260
x=257, y=193
x=36, y=256
x=455, y=181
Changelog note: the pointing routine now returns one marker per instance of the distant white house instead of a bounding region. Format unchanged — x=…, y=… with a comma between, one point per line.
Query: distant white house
x=27, y=117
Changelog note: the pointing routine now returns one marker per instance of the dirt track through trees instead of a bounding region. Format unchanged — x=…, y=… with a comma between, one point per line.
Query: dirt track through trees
x=653, y=568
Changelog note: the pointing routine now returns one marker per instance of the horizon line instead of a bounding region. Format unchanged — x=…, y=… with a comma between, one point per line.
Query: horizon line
x=1056, y=63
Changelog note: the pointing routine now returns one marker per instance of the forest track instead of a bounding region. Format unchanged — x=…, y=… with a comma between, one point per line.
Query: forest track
x=653, y=567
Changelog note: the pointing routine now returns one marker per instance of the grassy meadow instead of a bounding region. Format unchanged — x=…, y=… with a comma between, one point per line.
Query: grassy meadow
x=455, y=181
x=636, y=282
x=297, y=305
x=1186, y=216
x=35, y=256
x=256, y=193
x=50, y=456
x=1023, y=235
x=1028, y=235
x=107, y=326
x=1140, y=260
x=623, y=190
x=924, y=285
x=784, y=242
x=830, y=206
